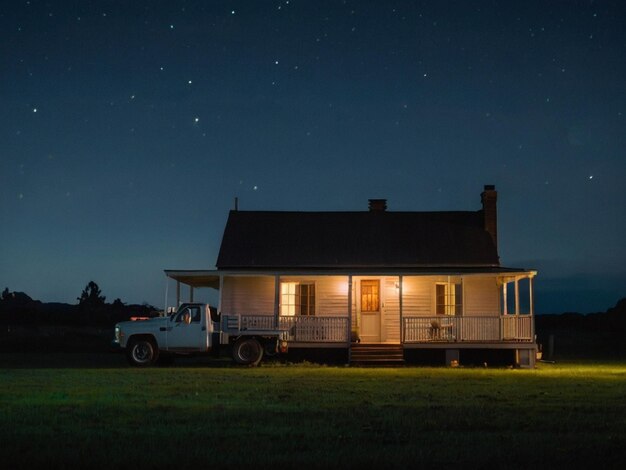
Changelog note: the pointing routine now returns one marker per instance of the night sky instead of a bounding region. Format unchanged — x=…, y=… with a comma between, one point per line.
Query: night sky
x=127, y=128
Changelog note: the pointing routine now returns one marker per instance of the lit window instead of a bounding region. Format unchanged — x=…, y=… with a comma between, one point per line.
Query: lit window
x=370, y=296
x=449, y=298
x=297, y=298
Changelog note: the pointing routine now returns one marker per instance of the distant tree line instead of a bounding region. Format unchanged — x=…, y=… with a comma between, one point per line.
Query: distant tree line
x=17, y=308
x=589, y=335
x=614, y=319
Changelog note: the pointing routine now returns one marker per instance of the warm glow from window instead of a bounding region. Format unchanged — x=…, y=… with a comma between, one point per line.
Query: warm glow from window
x=370, y=298
x=449, y=299
x=297, y=298
x=288, y=298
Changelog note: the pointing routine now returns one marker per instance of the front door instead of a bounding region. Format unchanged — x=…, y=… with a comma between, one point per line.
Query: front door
x=370, y=311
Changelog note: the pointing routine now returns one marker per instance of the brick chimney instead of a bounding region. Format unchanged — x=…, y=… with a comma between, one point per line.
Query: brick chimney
x=377, y=205
x=489, y=198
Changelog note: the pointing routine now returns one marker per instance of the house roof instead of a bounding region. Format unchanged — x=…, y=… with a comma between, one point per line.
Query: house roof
x=262, y=239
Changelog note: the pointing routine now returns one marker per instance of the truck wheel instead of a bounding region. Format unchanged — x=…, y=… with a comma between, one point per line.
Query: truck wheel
x=142, y=352
x=247, y=351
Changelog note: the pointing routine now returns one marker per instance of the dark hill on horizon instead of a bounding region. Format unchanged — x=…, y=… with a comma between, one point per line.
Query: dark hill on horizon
x=18, y=308
x=573, y=335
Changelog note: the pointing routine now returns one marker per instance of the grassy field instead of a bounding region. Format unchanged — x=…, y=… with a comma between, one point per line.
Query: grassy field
x=66, y=411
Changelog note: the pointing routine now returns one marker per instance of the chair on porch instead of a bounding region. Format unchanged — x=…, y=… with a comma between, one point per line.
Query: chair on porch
x=435, y=329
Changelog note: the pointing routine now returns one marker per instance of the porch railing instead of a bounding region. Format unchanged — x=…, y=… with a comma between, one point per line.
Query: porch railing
x=467, y=329
x=415, y=329
x=316, y=329
x=327, y=329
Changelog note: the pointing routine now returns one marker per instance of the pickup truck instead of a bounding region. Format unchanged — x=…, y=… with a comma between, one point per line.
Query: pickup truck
x=195, y=328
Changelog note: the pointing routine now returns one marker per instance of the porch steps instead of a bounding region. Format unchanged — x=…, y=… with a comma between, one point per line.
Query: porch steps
x=376, y=354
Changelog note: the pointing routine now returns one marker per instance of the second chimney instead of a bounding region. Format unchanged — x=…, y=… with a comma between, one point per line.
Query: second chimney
x=377, y=205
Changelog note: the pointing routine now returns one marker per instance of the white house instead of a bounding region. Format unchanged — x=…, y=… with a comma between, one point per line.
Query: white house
x=418, y=284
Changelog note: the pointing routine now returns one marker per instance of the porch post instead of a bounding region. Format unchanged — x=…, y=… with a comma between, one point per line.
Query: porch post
x=516, y=295
x=177, y=294
x=190, y=293
x=531, y=309
x=167, y=287
x=530, y=295
x=349, y=308
x=462, y=296
x=400, y=280
x=276, y=298
x=460, y=333
x=219, y=298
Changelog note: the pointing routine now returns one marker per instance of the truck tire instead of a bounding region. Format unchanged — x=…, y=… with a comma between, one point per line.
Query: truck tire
x=142, y=352
x=247, y=352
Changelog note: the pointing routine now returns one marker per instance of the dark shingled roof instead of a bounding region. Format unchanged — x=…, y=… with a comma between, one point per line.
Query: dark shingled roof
x=355, y=239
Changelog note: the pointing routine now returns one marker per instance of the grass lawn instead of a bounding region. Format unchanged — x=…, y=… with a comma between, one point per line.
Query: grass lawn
x=195, y=414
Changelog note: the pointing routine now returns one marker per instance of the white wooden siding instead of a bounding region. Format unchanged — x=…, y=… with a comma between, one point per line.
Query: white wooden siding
x=253, y=295
x=331, y=295
x=417, y=295
x=481, y=296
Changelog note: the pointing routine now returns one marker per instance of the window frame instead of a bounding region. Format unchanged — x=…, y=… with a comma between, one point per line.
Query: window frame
x=450, y=302
x=291, y=303
x=374, y=296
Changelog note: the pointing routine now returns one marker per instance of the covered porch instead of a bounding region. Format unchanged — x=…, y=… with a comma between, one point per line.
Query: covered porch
x=474, y=308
